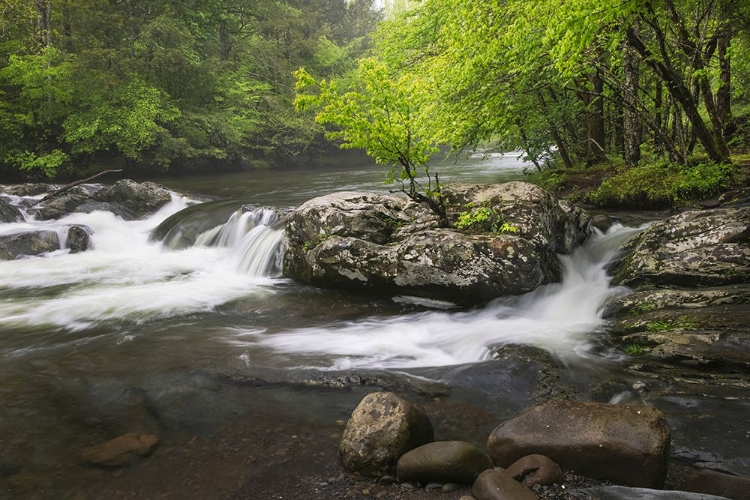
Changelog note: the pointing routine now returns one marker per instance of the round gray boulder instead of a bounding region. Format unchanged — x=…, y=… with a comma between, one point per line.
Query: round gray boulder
x=381, y=429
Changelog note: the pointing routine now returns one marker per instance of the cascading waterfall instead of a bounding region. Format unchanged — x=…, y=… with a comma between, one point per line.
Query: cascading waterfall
x=560, y=318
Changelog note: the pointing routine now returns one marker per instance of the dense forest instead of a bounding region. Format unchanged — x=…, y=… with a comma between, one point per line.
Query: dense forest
x=652, y=98
x=157, y=84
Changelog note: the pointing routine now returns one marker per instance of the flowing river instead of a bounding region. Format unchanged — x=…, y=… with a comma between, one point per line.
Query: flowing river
x=202, y=342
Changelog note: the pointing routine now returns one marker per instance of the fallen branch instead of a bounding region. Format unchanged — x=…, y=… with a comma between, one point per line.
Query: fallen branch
x=72, y=185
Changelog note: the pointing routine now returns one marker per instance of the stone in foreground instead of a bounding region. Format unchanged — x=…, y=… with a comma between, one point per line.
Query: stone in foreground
x=625, y=444
x=536, y=469
x=443, y=462
x=120, y=451
x=381, y=429
x=496, y=485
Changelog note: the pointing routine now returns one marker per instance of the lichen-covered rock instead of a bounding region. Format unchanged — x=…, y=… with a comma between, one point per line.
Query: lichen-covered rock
x=443, y=462
x=381, y=429
x=496, y=485
x=16, y=245
x=384, y=242
x=120, y=451
x=625, y=444
x=697, y=248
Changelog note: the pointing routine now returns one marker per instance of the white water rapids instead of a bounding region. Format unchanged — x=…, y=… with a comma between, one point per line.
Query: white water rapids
x=127, y=278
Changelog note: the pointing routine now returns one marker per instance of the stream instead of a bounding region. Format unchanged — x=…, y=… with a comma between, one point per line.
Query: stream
x=236, y=368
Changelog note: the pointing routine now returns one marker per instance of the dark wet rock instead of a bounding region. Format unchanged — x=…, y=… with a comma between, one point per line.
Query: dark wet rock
x=381, y=242
x=443, y=462
x=535, y=469
x=9, y=468
x=602, y=222
x=718, y=483
x=496, y=485
x=120, y=451
x=65, y=203
x=29, y=189
x=16, y=245
x=139, y=199
x=625, y=493
x=9, y=213
x=381, y=429
x=697, y=248
x=79, y=238
x=625, y=444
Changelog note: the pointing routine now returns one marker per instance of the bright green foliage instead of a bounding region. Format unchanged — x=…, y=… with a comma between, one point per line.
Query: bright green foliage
x=381, y=118
x=634, y=349
x=485, y=219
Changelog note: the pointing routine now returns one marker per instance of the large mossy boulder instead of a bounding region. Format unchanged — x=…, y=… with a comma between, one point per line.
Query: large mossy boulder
x=380, y=430
x=692, y=299
x=387, y=243
x=625, y=444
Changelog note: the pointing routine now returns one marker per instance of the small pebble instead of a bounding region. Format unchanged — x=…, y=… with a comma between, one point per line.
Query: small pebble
x=433, y=486
x=387, y=480
x=449, y=488
x=407, y=486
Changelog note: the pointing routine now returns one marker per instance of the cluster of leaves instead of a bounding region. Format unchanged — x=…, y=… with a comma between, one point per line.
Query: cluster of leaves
x=484, y=218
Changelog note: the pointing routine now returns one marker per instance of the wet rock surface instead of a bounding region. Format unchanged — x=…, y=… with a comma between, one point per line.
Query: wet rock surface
x=8, y=213
x=376, y=242
x=122, y=450
x=626, y=444
x=29, y=243
x=533, y=470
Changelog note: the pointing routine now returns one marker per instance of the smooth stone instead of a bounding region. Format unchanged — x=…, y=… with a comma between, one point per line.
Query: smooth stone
x=443, y=462
x=494, y=484
x=626, y=493
x=535, y=470
x=718, y=483
x=120, y=451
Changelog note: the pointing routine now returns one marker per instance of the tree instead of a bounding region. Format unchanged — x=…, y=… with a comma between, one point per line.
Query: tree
x=381, y=117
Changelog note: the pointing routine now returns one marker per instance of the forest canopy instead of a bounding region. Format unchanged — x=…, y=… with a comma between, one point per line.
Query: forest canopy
x=156, y=84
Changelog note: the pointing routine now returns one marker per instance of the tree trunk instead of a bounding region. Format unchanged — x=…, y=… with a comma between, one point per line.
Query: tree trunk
x=723, y=95
x=595, y=130
x=561, y=149
x=714, y=145
x=44, y=8
x=631, y=125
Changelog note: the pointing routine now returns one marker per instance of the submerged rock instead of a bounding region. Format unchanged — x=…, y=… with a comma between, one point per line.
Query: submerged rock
x=120, y=451
x=381, y=429
x=625, y=444
x=388, y=243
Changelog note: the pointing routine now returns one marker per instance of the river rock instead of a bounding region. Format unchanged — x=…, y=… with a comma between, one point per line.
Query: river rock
x=387, y=243
x=381, y=429
x=79, y=238
x=535, y=469
x=16, y=245
x=697, y=248
x=138, y=199
x=625, y=444
x=120, y=451
x=496, y=485
x=9, y=213
x=718, y=483
x=65, y=203
x=443, y=462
